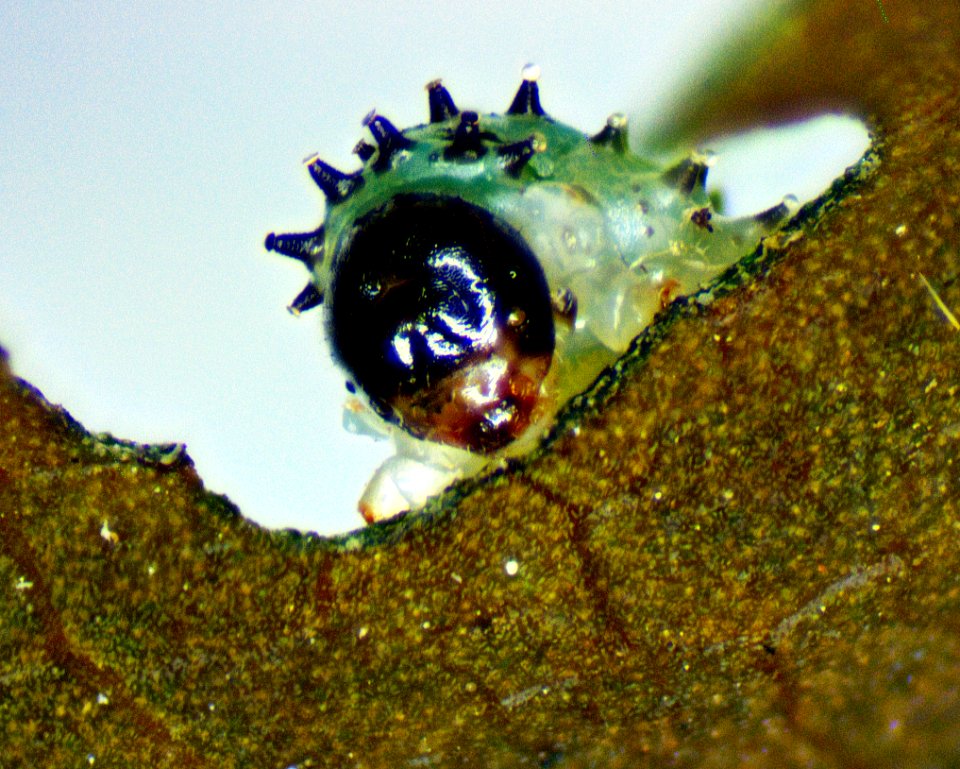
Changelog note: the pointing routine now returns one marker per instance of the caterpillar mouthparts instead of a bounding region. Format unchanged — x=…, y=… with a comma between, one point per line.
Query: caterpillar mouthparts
x=478, y=271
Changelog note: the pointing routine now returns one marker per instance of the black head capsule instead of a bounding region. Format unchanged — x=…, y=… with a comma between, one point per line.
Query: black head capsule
x=442, y=315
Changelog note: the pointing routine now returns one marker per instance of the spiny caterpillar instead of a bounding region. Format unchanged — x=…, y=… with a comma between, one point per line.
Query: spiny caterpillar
x=480, y=270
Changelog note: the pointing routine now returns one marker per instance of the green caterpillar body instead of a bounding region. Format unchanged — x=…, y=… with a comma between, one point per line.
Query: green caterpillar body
x=480, y=270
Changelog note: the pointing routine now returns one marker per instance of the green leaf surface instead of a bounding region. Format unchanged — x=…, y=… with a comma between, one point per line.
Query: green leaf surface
x=739, y=549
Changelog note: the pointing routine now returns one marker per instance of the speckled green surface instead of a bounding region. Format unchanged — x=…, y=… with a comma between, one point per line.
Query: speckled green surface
x=747, y=556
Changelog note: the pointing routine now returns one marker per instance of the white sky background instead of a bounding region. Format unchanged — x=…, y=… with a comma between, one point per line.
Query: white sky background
x=147, y=148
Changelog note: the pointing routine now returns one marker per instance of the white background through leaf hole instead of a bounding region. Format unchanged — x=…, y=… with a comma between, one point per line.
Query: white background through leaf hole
x=149, y=147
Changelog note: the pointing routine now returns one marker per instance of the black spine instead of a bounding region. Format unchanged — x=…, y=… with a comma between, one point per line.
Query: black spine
x=772, y=216
x=364, y=150
x=388, y=138
x=306, y=247
x=687, y=176
x=307, y=299
x=515, y=156
x=613, y=134
x=527, y=100
x=467, y=139
x=336, y=185
x=442, y=107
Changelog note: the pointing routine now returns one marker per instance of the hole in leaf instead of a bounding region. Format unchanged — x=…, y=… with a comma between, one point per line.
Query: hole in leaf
x=754, y=170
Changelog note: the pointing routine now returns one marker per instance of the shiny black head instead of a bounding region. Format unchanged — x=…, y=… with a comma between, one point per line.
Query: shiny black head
x=442, y=315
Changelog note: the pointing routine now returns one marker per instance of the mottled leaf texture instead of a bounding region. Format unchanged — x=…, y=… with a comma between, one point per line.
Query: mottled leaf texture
x=740, y=549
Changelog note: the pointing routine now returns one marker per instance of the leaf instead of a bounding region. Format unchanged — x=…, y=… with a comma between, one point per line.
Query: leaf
x=739, y=548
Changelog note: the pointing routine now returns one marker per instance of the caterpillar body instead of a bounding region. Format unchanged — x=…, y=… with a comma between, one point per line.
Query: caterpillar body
x=480, y=270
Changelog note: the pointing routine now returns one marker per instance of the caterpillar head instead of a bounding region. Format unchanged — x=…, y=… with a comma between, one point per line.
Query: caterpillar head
x=478, y=270
x=442, y=315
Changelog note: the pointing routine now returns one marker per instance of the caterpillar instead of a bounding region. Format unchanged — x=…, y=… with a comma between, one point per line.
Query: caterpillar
x=478, y=271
